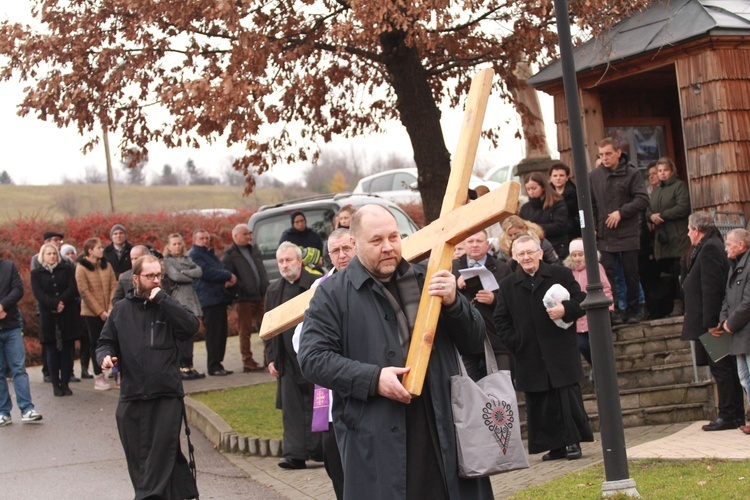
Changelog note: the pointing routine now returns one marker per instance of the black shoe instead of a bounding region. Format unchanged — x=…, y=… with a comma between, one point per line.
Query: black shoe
x=197, y=374
x=187, y=374
x=66, y=390
x=220, y=373
x=292, y=463
x=57, y=390
x=557, y=454
x=615, y=317
x=574, y=452
x=47, y=379
x=73, y=378
x=85, y=374
x=720, y=425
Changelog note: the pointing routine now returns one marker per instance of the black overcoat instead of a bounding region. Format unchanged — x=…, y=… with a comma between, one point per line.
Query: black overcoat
x=51, y=288
x=553, y=220
x=546, y=355
x=349, y=333
x=703, y=285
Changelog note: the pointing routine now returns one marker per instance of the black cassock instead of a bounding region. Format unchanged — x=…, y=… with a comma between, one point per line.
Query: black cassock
x=150, y=435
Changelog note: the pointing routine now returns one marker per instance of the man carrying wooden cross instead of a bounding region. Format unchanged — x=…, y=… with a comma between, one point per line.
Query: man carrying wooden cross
x=355, y=340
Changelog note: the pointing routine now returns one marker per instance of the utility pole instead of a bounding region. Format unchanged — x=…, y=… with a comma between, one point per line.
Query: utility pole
x=110, y=177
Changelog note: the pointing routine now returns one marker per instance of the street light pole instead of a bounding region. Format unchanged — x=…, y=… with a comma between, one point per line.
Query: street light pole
x=597, y=303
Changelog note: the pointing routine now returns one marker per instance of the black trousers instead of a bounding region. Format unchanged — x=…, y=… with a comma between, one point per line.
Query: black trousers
x=731, y=404
x=94, y=325
x=59, y=362
x=299, y=441
x=332, y=461
x=629, y=262
x=215, y=321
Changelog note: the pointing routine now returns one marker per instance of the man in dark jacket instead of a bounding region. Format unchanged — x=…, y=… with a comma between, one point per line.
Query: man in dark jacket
x=300, y=234
x=735, y=310
x=619, y=200
x=210, y=288
x=355, y=339
x=548, y=368
x=140, y=337
x=704, y=278
x=477, y=247
x=244, y=261
x=125, y=281
x=117, y=253
x=293, y=392
x=12, y=348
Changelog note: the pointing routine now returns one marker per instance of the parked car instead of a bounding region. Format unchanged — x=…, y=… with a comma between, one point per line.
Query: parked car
x=400, y=185
x=502, y=173
x=270, y=221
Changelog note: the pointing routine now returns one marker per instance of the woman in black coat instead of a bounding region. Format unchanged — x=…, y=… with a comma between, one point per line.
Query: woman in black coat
x=54, y=287
x=559, y=175
x=704, y=273
x=547, y=208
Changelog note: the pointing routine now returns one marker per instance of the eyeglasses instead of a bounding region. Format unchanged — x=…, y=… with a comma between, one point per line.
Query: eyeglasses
x=336, y=251
x=527, y=253
x=152, y=276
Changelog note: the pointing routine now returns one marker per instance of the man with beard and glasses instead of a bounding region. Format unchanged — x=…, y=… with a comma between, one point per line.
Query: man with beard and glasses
x=140, y=337
x=293, y=392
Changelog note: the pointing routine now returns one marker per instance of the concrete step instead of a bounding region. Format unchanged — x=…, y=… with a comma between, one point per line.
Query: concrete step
x=651, y=359
x=646, y=345
x=678, y=394
x=648, y=329
x=654, y=376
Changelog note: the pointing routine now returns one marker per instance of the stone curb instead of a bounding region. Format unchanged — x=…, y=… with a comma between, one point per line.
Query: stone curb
x=223, y=437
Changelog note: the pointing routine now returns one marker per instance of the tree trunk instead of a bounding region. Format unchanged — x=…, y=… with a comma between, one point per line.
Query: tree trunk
x=421, y=118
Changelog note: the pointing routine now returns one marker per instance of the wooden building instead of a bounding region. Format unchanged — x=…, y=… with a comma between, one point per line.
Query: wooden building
x=671, y=80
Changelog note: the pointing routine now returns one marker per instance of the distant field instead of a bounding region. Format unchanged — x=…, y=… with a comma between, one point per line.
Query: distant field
x=58, y=202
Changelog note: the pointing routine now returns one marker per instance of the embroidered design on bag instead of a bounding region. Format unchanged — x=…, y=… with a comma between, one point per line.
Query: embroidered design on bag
x=499, y=419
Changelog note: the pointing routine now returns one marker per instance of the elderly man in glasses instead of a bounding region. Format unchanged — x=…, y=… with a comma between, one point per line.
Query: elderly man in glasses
x=140, y=338
x=548, y=365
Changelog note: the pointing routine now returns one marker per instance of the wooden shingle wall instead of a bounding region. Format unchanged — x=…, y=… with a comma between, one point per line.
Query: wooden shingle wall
x=714, y=89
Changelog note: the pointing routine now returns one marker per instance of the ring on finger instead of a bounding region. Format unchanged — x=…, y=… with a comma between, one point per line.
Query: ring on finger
x=442, y=286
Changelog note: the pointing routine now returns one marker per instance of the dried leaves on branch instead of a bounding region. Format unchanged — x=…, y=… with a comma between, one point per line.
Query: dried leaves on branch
x=277, y=77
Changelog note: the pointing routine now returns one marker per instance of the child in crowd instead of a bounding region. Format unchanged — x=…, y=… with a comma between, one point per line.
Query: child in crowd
x=577, y=263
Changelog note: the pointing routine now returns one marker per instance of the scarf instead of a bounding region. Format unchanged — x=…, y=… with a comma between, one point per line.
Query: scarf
x=50, y=267
x=407, y=304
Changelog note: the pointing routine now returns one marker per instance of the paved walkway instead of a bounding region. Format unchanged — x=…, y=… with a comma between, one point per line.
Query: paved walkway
x=76, y=452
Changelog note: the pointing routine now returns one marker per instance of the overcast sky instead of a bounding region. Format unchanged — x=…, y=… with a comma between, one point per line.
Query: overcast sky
x=37, y=152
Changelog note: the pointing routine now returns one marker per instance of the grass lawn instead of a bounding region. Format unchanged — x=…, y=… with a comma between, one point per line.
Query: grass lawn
x=655, y=479
x=59, y=201
x=250, y=411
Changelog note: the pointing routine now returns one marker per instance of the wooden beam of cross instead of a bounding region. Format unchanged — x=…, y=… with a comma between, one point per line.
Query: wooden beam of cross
x=438, y=239
x=487, y=210
x=441, y=256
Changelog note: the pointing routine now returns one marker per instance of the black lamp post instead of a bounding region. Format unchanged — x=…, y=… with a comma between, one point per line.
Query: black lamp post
x=596, y=303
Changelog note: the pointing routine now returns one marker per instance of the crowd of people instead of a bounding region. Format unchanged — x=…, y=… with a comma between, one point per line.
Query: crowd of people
x=122, y=300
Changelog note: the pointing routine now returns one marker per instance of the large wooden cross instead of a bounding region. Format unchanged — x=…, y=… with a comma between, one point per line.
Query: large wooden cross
x=457, y=221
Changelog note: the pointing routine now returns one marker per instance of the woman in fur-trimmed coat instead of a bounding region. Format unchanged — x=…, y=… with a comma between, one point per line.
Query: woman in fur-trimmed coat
x=96, y=283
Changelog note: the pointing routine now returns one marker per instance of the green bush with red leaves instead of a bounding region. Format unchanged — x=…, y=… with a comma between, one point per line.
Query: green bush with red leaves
x=21, y=239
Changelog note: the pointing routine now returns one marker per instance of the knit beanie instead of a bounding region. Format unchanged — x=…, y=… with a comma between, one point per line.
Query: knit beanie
x=67, y=248
x=576, y=245
x=116, y=227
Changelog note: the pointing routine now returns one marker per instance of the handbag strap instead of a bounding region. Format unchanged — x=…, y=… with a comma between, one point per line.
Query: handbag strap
x=489, y=358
